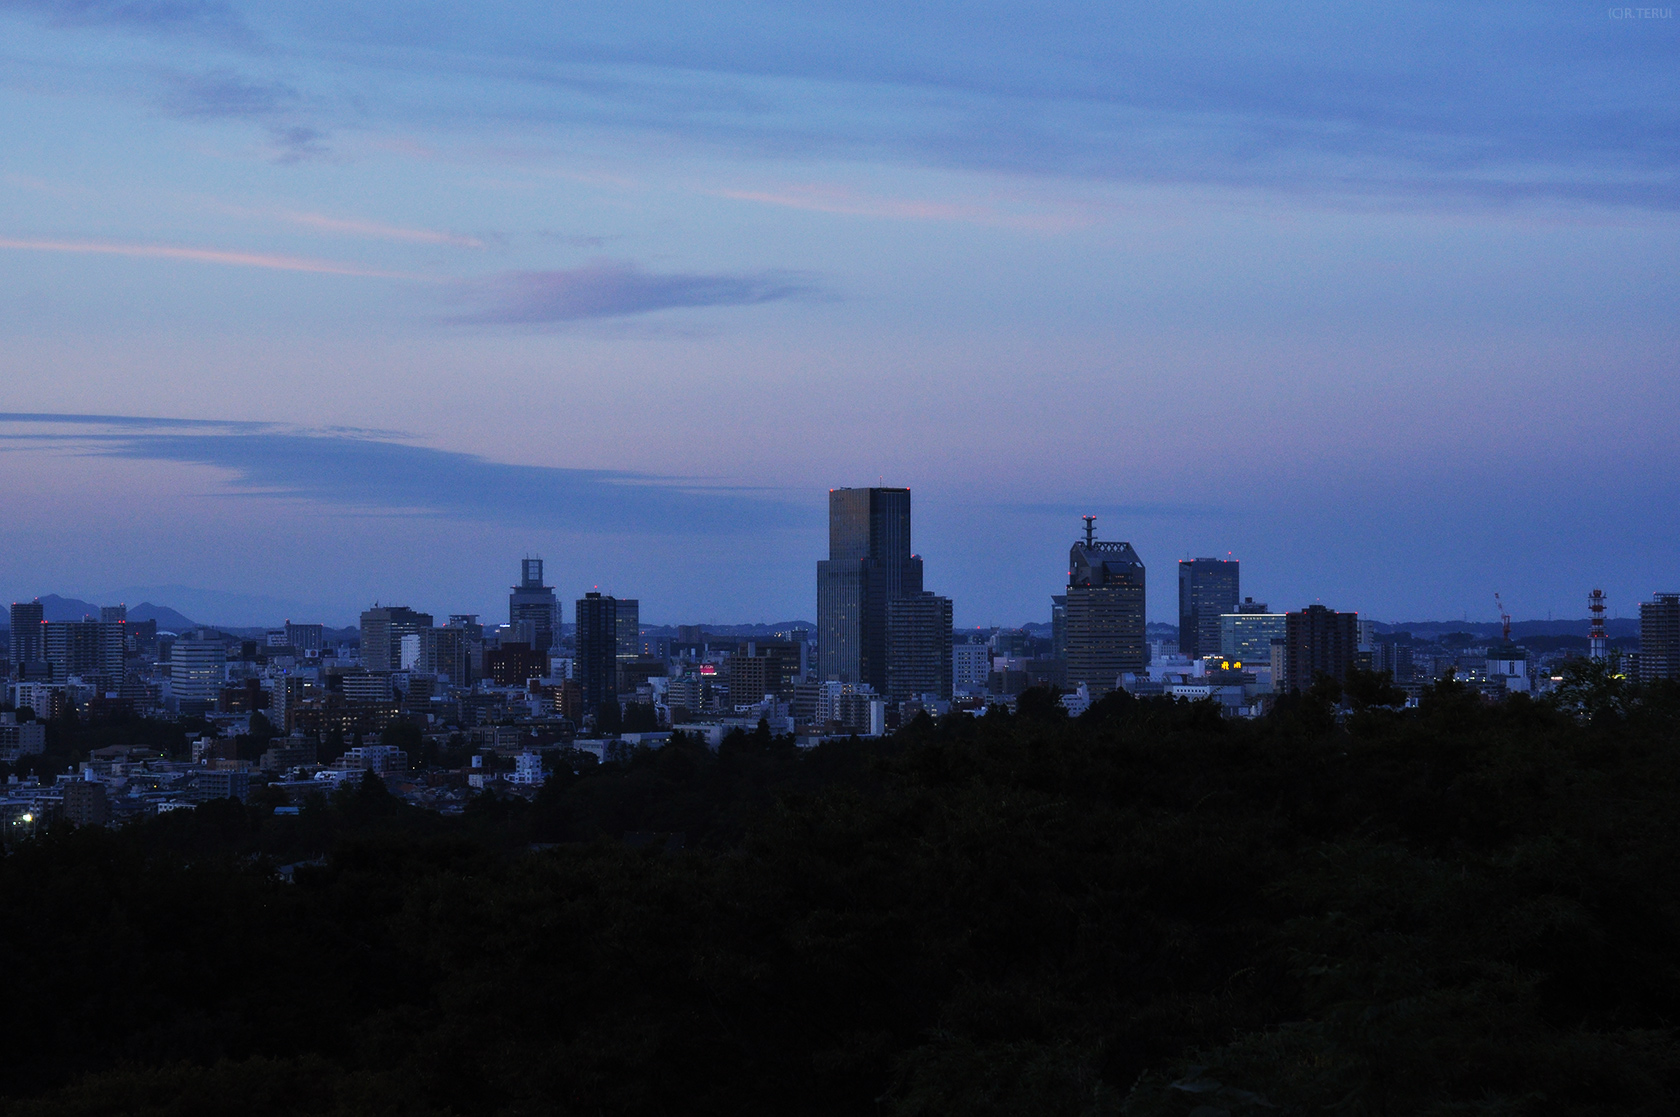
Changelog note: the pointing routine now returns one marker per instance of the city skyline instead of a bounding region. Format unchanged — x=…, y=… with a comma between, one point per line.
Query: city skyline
x=341, y=303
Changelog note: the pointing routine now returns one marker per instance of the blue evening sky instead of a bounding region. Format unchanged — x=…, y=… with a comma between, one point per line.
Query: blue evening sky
x=331, y=303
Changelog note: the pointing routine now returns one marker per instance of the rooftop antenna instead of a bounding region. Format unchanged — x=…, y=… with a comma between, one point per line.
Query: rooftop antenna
x=1599, y=646
x=1090, y=530
x=1504, y=617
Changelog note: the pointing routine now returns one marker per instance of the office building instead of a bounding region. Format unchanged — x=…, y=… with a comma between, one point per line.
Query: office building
x=628, y=627
x=1105, y=618
x=1207, y=590
x=27, y=641
x=1058, y=626
x=971, y=665
x=596, y=662
x=197, y=670
x=535, y=604
x=305, y=639
x=1317, y=641
x=869, y=564
x=919, y=646
x=383, y=628
x=1246, y=637
x=1659, y=637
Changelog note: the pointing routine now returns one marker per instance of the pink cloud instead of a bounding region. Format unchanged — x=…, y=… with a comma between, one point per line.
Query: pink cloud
x=208, y=256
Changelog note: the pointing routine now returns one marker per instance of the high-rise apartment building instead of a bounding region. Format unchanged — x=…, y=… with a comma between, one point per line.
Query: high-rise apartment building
x=1659, y=637
x=1207, y=590
x=869, y=564
x=1317, y=641
x=1105, y=600
x=383, y=628
x=533, y=602
x=595, y=666
x=919, y=646
x=75, y=647
x=28, y=644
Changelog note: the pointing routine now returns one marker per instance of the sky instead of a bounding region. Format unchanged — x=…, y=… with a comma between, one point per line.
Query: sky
x=305, y=306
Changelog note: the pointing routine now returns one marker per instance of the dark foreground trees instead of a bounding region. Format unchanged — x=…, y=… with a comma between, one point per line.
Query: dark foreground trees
x=1462, y=909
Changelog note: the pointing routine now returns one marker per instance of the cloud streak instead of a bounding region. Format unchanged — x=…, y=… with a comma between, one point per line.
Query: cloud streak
x=269, y=261
x=613, y=289
x=371, y=230
x=363, y=474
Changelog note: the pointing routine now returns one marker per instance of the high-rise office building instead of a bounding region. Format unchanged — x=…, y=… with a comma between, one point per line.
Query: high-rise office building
x=1207, y=590
x=1659, y=637
x=1246, y=637
x=595, y=666
x=1317, y=641
x=919, y=646
x=869, y=564
x=197, y=670
x=27, y=638
x=533, y=602
x=1105, y=600
x=1058, y=625
x=629, y=628
x=383, y=628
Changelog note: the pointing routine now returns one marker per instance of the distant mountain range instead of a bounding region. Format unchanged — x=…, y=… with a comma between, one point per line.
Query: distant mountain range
x=56, y=608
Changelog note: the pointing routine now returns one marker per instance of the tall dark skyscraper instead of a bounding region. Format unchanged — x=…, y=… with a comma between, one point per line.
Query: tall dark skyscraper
x=596, y=667
x=1207, y=589
x=534, y=602
x=869, y=564
x=1105, y=598
x=27, y=639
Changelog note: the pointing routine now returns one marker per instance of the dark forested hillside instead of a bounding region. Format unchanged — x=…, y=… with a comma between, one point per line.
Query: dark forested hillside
x=1459, y=909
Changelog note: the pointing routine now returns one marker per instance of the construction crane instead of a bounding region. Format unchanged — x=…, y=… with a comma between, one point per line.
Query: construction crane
x=1504, y=617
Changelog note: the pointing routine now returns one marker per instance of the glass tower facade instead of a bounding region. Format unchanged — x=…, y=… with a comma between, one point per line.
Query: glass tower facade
x=1207, y=590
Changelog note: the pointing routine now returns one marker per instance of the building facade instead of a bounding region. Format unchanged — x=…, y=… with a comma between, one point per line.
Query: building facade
x=383, y=628
x=1317, y=641
x=534, y=603
x=919, y=647
x=27, y=641
x=1659, y=637
x=1105, y=613
x=197, y=670
x=869, y=564
x=1247, y=637
x=1207, y=590
x=596, y=664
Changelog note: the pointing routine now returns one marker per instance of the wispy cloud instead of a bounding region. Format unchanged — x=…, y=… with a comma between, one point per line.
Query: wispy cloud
x=226, y=93
x=210, y=19
x=844, y=201
x=209, y=256
x=355, y=227
x=612, y=289
x=367, y=474
x=296, y=143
